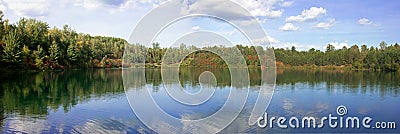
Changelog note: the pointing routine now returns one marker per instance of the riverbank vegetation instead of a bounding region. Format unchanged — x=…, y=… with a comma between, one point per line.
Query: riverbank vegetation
x=32, y=44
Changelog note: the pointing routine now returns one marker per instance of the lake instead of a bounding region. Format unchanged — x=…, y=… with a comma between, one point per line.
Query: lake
x=95, y=101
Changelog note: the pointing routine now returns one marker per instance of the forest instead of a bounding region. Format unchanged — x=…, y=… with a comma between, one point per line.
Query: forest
x=385, y=58
x=31, y=44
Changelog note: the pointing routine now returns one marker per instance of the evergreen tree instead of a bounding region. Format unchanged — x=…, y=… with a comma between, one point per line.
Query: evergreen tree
x=12, y=49
x=54, y=52
x=72, y=54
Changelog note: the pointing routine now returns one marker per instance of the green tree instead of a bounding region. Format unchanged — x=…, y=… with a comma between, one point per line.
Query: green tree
x=54, y=52
x=39, y=57
x=12, y=49
x=26, y=55
x=72, y=54
x=330, y=47
x=2, y=25
x=383, y=45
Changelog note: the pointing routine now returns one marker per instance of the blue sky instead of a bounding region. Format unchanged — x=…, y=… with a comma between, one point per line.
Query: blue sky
x=300, y=23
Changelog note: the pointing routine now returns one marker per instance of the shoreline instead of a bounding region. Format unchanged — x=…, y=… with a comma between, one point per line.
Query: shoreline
x=157, y=66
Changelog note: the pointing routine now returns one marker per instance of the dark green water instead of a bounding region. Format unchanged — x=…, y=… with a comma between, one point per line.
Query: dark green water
x=94, y=101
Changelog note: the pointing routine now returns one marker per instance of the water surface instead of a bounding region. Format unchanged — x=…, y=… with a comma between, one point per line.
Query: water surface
x=83, y=101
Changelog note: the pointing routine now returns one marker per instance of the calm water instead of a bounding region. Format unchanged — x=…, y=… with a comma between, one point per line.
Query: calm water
x=83, y=101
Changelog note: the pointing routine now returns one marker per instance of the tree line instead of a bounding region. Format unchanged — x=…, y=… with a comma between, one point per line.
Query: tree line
x=385, y=58
x=32, y=44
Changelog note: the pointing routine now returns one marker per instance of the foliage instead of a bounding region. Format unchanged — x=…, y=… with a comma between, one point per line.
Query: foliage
x=30, y=44
x=12, y=48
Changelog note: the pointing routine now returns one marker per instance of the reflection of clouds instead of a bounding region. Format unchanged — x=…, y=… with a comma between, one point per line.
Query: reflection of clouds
x=101, y=126
x=210, y=124
x=268, y=90
x=164, y=127
x=240, y=125
x=288, y=104
x=207, y=125
x=363, y=111
x=27, y=125
x=321, y=107
x=203, y=127
x=315, y=110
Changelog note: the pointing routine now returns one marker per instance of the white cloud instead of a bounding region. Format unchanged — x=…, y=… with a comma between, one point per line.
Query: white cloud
x=261, y=8
x=339, y=45
x=299, y=47
x=272, y=40
x=252, y=21
x=364, y=21
x=288, y=27
x=257, y=8
x=310, y=14
x=273, y=14
x=31, y=8
x=41, y=7
x=195, y=28
x=290, y=44
x=139, y=3
x=285, y=45
x=115, y=5
x=212, y=7
x=230, y=33
x=90, y=4
x=35, y=8
x=267, y=39
x=287, y=3
x=2, y=6
x=326, y=25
